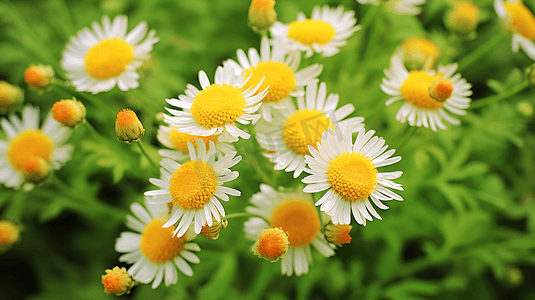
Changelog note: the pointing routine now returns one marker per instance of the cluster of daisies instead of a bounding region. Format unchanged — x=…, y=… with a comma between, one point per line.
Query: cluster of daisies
x=300, y=126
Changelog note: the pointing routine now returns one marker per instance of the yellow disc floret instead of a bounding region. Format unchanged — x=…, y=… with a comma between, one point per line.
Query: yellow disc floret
x=29, y=143
x=158, y=244
x=277, y=76
x=180, y=140
x=272, y=244
x=299, y=218
x=305, y=128
x=117, y=281
x=522, y=20
x=108, y=58
x=218, y=105
x=309, y=32
x=193, y=184
x=415, y=90
x=352, y=176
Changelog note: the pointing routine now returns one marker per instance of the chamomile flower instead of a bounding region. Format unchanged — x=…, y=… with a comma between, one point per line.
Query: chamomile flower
x=193, y=188
x=520, y=21
x=289, y=134
x=349, y=174
x=174, y=138
x=418, y=87
x=279, y=72
x=294, y=213
x=325, y=31
x=97, y=60
x=27, y=148
x=152, y=249
x=400, y=7
x=217, y=107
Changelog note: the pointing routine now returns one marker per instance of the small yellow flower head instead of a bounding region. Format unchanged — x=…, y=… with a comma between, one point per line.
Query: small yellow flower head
x=262, y=15
x=338, y=234
x=272, y=244
x=440, y=89
x=36, y=169
x=117, y=281
x=10, y=97
x=128, y=128
x=69, y=112
x=39, y=78
x=525, y=108
x=9, y=234
x=514, y=276
x=213, y=231
x=419, y=53
x=463, y=18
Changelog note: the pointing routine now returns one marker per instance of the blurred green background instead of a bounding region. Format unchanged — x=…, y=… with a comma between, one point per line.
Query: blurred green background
x=466, y=229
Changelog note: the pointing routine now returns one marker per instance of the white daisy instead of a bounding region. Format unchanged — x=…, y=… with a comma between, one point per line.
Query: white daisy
x=325, y=31
x=289, y=134
x=174, y=138
x=278, y=70
x=26, y=142
x=417, y=87
x=349, y=174
x=295, y=213
x=193, y=187
x=401, y=7
x=153, y=251
x=97, y=60
x=218, y=106
x=520, y=21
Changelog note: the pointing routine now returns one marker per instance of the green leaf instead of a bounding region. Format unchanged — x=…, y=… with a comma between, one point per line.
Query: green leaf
x=217, y=287
x=51, y=211
x=412, y=289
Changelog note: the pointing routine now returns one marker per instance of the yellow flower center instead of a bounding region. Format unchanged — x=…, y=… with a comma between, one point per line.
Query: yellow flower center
x=218, y=105
x=272, y=244
x=193, y=184
x=108, y=58
x=29, y=143
x=158, y=244
x=522, y=20
x=415, y=90
x=308, y=32
x=305, y=128
x=299, y=219
x=277, y=76
x=352, y=176
x=180, y=140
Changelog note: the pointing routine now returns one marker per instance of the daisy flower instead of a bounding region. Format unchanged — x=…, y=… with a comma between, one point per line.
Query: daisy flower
x=29, y=151
x=428, y=94
x=97, y=60
x=400, y=7
x=174, y=138
x=295, y=213
x=217, y=107
x=193, y=187
x=289, y=134
x=520, y=21
x=325, y=31
x=349, y=174
x=153, y=251
x=279, y=71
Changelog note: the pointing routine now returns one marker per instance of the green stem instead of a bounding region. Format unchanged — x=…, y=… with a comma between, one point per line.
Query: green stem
x=405, y=137
x=369, y=16
x=93, y=131
x=496, y=98
x=142, y=148
x=478, y=53
x=146, y=101
x=244, y=214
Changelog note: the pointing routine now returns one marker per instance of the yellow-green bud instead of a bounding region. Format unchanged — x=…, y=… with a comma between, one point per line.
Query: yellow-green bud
x=262, y=15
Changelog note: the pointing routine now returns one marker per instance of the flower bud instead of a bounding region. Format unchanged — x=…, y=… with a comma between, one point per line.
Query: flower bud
x=39, y=78
x=262, y=15
x=463, y=18
x=514, y=276
x=9, y=234
x=440, y=89
x=69, y=112
x=525, y=108
x=419, y=53
x=36, y=169
x=272, y=244
x=117, y=281
x=128, y=128
x=213, y=231
x=338, y=234
x=10, y=97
